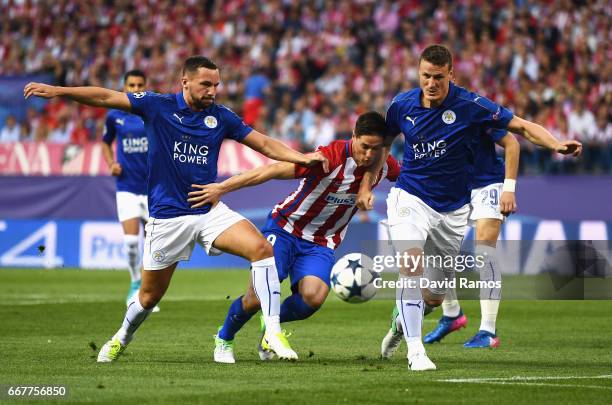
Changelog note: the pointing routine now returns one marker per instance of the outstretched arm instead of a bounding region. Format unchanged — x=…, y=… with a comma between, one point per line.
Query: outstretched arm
x=512, y=150
x=90, y=95
x=279, y=151
x=211, y=193
x=539, y=135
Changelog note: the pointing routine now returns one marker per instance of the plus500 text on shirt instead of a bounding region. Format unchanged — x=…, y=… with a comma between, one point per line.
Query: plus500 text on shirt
x=440, y=143
x=183, y=148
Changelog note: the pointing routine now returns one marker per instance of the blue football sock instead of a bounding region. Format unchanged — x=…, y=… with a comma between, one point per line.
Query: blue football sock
x=294, y=309
x=235, y=320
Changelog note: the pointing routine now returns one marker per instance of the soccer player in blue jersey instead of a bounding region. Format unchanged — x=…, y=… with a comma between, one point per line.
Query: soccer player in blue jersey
x=428, y=208
x=130, y=168
x=492, y=199
x=185, y=132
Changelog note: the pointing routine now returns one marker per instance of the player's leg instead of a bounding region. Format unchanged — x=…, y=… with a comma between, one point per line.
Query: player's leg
x=245, y=306
x=239, y=313
x=310, y=278
x=131, y=228
x=166, y=242
x=154, y=285
x=409, y=223
x=487, y=217
x=129, y=212
x=487, y=232
x=445, y=241
x=244, y=240
x=308, y=298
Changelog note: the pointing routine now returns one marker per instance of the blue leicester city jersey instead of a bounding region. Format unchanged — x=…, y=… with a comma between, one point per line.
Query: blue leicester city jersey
x=489, y=167
x=132, y=146
x=183, y=148
x=440, y=143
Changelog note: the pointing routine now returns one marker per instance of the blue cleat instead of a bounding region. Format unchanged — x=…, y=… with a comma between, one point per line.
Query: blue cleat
x=482, y=339
x=134, y=287
x=445, y=326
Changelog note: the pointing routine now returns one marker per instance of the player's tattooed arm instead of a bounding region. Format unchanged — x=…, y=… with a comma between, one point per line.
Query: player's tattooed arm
x=277, y=150
x=512, y=150
x=211, y=193
x=90, y=95
x=540, y=136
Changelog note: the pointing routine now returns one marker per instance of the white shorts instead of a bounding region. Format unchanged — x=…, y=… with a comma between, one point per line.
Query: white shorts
x=130, y=205
x=414, y=224
x=168, y=241
x=485, y=203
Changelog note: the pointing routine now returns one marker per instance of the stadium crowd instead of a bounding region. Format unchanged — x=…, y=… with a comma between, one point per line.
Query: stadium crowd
x=302, y=71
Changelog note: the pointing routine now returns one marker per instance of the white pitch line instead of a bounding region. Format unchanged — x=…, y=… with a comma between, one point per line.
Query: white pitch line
x=529, y=378
x=520, y=380
x=540, y=384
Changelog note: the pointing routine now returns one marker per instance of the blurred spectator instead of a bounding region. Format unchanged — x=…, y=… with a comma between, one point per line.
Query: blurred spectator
x=61, y=133
x=255, y=89
x=79, y=134
x=321, y=132
x=581, y=121
x=11, y=132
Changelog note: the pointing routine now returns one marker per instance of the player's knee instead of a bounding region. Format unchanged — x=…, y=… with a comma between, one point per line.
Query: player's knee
x=262, y=249
x=314, y=300
x=149, y=298
x=314, y=297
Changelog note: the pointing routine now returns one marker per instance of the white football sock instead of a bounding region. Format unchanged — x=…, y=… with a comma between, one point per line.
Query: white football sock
x=134, y=317
x=132, y=250
x=488, y=313
x=267, y=288
x=450, y=307
x=489, y=297
x=410, y=304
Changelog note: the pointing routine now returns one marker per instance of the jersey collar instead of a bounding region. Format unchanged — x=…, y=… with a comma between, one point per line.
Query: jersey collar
x=452, y=93
x=349, y=148
x=180, y=100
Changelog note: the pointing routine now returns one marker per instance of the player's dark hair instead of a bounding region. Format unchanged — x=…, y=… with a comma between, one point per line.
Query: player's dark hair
x=370, y=123
x=135, y=73
x=193, y=63
x=437, y=55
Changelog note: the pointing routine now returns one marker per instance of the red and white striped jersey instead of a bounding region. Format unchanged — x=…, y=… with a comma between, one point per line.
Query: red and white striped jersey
x=324, y=203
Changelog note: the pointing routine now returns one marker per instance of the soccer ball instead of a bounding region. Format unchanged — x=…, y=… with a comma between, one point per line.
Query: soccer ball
x=352, y=280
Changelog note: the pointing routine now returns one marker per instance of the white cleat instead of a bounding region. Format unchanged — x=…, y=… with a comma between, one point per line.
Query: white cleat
x=264, y=354
x=390, y=343
x=224, y=351
x=155, y=308
x=279, y=345
x=111, y=351
x=420, y=362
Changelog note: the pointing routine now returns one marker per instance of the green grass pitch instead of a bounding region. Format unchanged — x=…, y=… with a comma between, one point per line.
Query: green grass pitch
x=551, y=351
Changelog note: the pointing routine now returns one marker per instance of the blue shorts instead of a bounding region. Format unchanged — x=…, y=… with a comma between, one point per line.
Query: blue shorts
x=297, y=258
